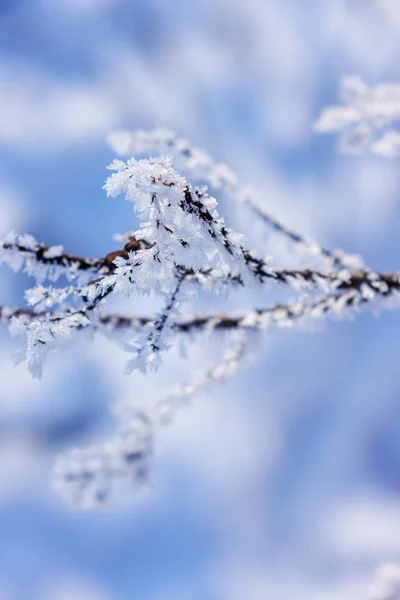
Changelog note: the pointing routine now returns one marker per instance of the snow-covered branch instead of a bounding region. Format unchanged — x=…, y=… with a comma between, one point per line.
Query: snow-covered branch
x=378, y=291
x=201, y=167
x=183, y=245
x=87, y=477
x=182, y=248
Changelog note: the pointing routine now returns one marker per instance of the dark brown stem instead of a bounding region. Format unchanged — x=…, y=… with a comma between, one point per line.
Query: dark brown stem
x=351, y=296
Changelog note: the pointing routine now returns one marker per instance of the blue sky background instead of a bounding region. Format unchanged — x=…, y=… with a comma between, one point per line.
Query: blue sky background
x=285, y=482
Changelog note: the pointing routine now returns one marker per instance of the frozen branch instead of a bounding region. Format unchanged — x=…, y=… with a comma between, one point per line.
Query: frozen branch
x=182, y=247
x=88, y=477
x=359, y=290
x=218, y=176
x=46, y=262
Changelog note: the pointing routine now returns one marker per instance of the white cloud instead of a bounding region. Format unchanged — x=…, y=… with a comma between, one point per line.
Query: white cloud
x=71, y=587
x=244, y=581
x=11, y=210
x=363, y=527
x=41, y=111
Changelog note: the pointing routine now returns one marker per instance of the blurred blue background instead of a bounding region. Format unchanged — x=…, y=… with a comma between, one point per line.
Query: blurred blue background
x=285, y=482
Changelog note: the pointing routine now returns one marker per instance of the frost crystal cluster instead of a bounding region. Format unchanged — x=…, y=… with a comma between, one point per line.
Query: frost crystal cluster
x=182, y=248
x=366, y=119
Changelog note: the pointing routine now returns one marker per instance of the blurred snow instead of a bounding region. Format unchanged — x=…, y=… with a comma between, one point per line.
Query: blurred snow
x=68, y=588
x=285, y=482
x=364, y=527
